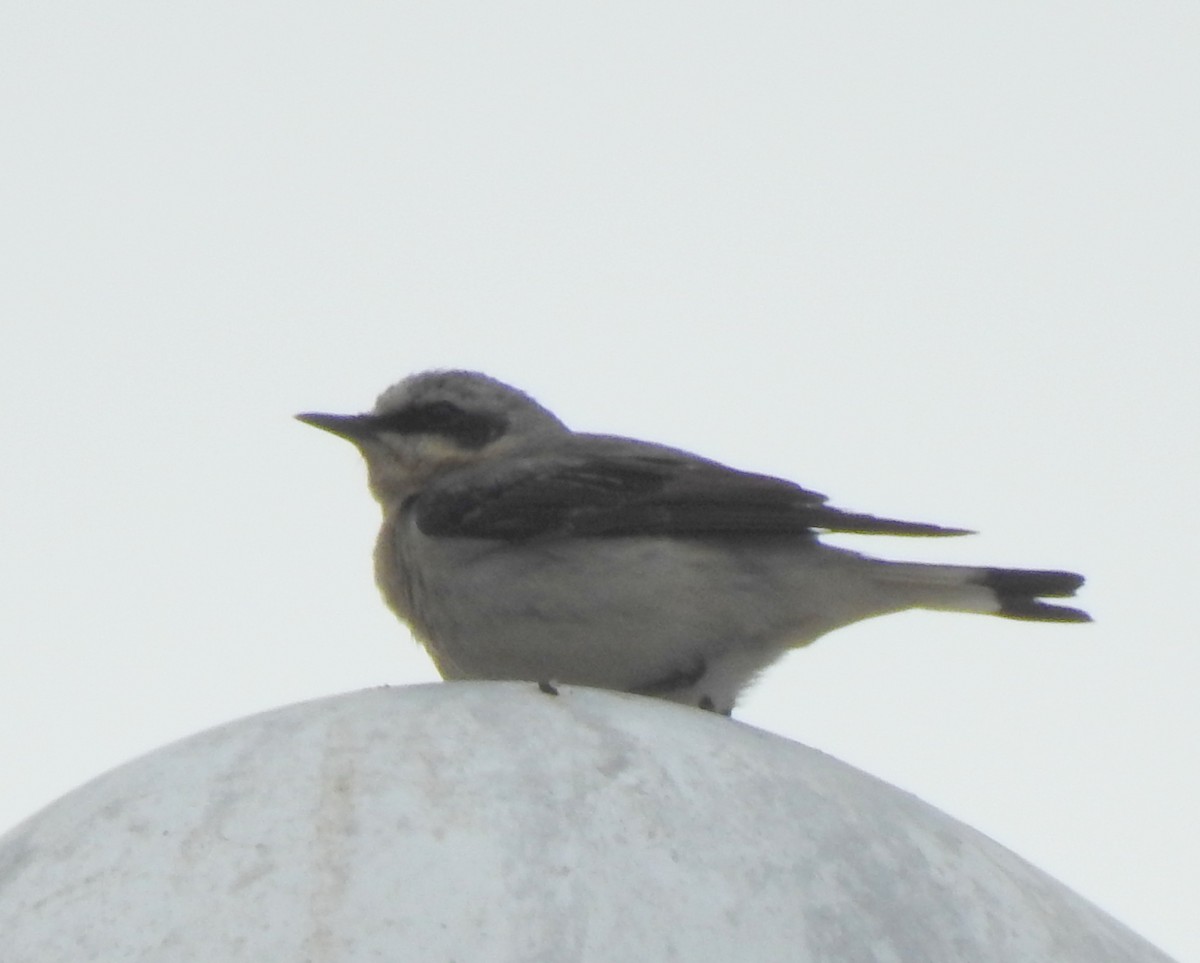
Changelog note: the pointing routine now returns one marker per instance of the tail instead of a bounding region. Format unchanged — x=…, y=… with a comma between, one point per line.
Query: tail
x=1013, y=593
x=1019, y=593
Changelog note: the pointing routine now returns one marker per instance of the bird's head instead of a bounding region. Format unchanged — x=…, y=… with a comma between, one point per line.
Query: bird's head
x=433, y=422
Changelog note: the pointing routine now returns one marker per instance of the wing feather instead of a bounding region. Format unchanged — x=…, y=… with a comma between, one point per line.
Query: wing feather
x=607, y=487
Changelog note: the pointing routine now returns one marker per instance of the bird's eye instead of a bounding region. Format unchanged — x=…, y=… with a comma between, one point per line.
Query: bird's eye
x=469, y=429
x=415, y=419
x=445, y=411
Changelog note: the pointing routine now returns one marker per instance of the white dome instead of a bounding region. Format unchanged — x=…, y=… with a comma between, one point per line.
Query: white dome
x=489, y=821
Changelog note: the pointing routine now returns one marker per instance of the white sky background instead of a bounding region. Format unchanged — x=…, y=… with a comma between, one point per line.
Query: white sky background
x=941, y=262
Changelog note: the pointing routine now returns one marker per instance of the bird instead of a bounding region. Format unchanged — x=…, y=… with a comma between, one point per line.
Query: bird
x=515, y=548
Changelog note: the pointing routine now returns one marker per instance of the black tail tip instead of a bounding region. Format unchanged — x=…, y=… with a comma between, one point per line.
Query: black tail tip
x=1031, y=610
x=1020, y=593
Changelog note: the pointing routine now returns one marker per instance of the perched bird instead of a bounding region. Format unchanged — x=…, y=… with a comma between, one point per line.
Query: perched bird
x=515, y=548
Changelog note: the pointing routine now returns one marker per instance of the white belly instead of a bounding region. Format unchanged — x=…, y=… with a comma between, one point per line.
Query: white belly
x=617, y=613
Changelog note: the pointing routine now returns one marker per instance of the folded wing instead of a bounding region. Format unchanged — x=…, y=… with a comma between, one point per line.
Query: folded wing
x=607, y=487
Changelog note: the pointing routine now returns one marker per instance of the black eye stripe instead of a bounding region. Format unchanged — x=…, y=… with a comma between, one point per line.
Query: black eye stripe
x=471, y=429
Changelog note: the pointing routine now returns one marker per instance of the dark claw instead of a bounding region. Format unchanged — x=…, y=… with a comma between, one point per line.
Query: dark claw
x=548, y=687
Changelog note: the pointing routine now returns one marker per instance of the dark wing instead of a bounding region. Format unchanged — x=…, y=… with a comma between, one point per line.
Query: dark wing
x=614, y=487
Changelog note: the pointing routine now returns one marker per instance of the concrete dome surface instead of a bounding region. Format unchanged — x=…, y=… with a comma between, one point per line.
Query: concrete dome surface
x=480, y=821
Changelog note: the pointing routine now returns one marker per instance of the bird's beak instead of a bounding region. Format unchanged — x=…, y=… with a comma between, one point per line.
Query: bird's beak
x=355, y=428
